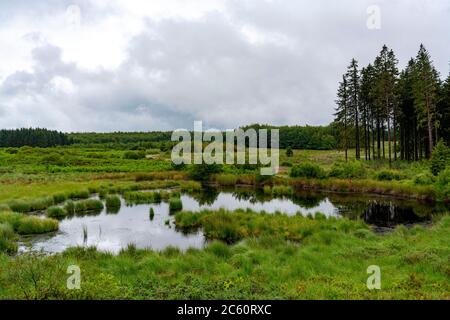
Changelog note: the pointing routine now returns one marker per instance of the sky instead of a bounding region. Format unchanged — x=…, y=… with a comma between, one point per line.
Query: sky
x=129, y=65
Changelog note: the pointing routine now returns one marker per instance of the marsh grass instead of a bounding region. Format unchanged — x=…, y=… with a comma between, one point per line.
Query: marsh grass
x=226, y=179
x=232, y=226
x=88, y=205
x=7, y=239
x=113, y=204
x=330, y=263
x=24, y=224
x=175, y=204
x=152, y=214
x=282, y=191
x=56, y=212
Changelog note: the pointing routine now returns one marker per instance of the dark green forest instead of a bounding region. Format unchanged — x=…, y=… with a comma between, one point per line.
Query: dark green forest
x=33, y=137
x=387, y=113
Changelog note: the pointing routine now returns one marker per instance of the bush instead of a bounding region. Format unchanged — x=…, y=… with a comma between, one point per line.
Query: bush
x=289, y=152
x=56, y=212
x=202, y=172
x=175, y=204
x=388, y=175
x=424, y=179
x=440, y=158
x=134, y=155
x=348, y=170
x=307, y=170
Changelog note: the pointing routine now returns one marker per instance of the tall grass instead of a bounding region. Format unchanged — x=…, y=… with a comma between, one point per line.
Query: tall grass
x=56, y=212
x=112, y=203
x=7, y=239
x=281, y=190
x=152, y=214
x=175, y=204
x=232, y=226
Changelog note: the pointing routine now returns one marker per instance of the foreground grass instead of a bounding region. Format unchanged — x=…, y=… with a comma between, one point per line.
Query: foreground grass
x=330, y=262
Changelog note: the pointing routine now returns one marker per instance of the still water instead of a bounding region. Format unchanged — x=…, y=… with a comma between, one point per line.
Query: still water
x=132, y=224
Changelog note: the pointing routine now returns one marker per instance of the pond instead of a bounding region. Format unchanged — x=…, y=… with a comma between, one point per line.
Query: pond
x=132, y=224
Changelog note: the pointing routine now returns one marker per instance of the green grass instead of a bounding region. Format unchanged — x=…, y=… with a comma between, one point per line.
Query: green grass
x=331, y=263
x=87, y=205
x=232, y=226
x=175, y=204
x=24, y=224
x=112, y=202
x=56, y=212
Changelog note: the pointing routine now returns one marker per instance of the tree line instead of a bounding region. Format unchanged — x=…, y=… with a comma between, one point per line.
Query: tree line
x=387, y=113
x=36, y=137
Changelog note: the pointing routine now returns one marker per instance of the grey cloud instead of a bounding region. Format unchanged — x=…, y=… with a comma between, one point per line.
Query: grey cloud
x=177, y=71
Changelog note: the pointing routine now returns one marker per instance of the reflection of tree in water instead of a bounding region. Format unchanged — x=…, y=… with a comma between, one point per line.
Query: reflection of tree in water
x=382, y=211
x=207, y=196
x=308, y=200
x=387, y=214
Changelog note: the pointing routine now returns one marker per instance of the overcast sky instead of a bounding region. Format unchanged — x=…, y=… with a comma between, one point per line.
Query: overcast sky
x=99, y=65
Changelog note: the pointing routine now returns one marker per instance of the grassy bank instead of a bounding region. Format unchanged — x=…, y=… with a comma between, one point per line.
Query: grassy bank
x=330, y=262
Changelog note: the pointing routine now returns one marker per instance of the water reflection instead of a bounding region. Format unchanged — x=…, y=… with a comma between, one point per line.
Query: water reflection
x=116, y=229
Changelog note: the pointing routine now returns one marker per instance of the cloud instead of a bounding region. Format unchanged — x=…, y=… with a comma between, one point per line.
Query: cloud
x=162, y=65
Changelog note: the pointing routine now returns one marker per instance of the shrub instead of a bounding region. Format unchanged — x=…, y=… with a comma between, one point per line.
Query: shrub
x=202, y=172
x=175, y=204
x=388, y=175
x=307, y=170
x=348, y=170
x=134, y=155
x=424, y=179
x=440, y=158
x=289, y=152
x=56, y=212
x=443, y=183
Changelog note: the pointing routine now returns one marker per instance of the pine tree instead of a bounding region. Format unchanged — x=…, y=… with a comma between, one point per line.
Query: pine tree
x=425, y=91
x=341, y=115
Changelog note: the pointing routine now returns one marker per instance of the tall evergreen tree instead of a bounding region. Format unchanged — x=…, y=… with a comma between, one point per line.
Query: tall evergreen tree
x=425, y=92
x=342, y=115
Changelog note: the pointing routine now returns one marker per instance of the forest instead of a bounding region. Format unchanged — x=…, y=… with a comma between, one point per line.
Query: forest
x=393, y=114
